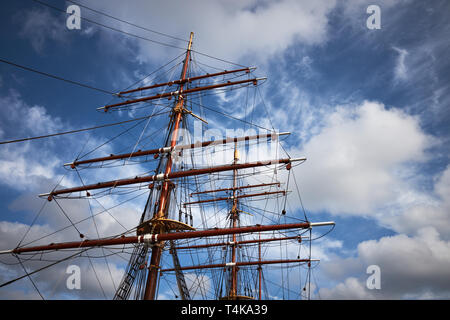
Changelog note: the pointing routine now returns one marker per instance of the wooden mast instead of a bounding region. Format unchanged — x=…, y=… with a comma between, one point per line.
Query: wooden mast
x=259, y=266
x=234, y=218
x=150, y=288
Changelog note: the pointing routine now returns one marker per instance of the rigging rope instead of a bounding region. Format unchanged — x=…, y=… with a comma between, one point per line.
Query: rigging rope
x=111, y=28
x=129, y=23
x=81, y=130
x=55, y=77
x=29, y=277
x=139, y=37
x=43, y=268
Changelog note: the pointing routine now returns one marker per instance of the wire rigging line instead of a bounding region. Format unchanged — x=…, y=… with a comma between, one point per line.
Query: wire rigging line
x=33, y=222
x=103, y=249
x=230, y=116
x=137, y=36
x=300, y=197
x=219, y=59
x=43, y=268
x=37, y=215
x=90, y=208
x=153, y=72
x=268, y=116
x=127, y=22
x=145, y=127
x=29, y=277
x=81, y=130
x=55, y=77
x=65, y=214
x=112, y=28
x=96, y=276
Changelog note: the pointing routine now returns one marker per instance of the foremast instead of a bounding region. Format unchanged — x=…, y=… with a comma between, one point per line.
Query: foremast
x=161, y=213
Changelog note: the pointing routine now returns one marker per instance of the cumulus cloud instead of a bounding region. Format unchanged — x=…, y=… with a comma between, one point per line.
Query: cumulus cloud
x=353, y=163
x=429, y=210
x=414, y=264
x=33, y=119
x=19, y=166
x=411, y=267
x=352, y=288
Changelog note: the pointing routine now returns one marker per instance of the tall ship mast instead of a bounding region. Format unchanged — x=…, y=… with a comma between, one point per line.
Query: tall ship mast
x=216, y=212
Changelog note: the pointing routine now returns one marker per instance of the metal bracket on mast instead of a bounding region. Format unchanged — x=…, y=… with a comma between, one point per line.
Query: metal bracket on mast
x=148, y=226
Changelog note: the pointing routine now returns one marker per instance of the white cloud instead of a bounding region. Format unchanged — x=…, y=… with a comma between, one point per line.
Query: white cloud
x=411, y=267
x=24, y=119
x=20, y=168
x=305, y=67
x=89, y=31
x=39, y=25
x=401, y=71
x=425, y=210
x=12, y=233
x=198, y=284
x=37, y=164
x=351, y=288
x=414, y=265
x=354, y=164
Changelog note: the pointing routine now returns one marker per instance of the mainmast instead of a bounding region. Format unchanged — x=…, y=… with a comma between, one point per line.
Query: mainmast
x=161, y=212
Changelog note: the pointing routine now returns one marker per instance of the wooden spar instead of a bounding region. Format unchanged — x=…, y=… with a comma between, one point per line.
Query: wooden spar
x=180, y=92
x=163, y=203
x=153, y=238
x=259, y=266
x=237, y=188
x=236, y=197
x=78, y=244
x=176, y=148
x=242, y=263
x=182, y=81
x=221, y=244
x=168, y=175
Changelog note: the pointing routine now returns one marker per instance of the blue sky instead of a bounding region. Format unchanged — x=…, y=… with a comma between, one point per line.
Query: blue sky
x=368, y=108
